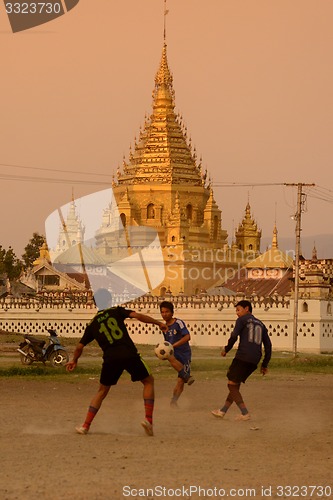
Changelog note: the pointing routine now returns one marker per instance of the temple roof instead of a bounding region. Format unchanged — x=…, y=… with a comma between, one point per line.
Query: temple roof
x=163, y=153
x=273, y=258
x=240, y=283
x=80, y=254
x=70, y=278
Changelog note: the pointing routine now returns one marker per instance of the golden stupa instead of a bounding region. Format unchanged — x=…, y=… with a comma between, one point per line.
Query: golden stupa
x=163, y=186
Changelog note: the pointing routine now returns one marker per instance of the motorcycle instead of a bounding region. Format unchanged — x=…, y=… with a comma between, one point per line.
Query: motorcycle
x=33, y=349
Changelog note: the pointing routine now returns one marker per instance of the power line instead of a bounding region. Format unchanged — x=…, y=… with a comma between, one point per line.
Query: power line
x=243, y=184
x=313, y=191
x=54, y=170
x=316, y=192
x=321, y=193
x=21, y=178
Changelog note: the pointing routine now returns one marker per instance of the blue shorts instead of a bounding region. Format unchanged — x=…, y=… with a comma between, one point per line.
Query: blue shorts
x=182, y=357
x=187, y=370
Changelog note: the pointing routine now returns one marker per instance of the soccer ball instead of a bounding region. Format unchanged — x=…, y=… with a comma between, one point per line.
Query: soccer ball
x=163, y=350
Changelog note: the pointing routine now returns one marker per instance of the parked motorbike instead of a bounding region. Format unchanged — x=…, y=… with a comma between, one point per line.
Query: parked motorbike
x=33, y=349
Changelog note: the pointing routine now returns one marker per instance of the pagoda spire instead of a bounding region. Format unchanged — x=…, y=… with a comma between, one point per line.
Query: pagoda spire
x=163, y=93
x=248, y=234
x=275, y=231
x=275, y=239
x=72, y=231
x=164, y=20
x=163, y=153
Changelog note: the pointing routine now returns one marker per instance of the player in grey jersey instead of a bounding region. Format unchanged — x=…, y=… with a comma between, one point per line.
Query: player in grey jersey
x=252, y=335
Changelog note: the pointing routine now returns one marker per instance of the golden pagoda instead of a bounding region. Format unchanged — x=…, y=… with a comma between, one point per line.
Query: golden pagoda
x=163, y=186
x=248, y=235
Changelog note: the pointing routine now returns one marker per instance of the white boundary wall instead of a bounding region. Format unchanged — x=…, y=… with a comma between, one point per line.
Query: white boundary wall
x=210, y=319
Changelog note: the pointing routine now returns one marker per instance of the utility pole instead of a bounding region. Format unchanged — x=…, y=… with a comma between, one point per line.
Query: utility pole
x=301, y=198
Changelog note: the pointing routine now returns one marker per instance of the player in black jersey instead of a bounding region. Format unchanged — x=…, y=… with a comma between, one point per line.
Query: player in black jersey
x=252, y=335
x=119, y=354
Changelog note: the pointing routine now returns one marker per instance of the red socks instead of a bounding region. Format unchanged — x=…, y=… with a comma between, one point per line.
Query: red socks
x=149, y=408
x=90, y=416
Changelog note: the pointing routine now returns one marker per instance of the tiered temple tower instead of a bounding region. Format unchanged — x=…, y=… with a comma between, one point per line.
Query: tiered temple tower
x=162, y=186
x=248, y=235
x=71, y=232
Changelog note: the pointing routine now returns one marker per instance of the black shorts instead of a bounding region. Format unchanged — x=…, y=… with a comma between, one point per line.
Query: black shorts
x=240, y=370
x=113, y=368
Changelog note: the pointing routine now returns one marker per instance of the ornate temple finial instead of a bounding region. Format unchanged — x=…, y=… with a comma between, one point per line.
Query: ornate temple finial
x=163, y=91
x=275, y=240
x=275, y=231
x=72, y=193
x=314, y=252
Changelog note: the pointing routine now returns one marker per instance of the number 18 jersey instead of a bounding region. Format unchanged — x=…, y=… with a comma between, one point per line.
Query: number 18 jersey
x=108, y=328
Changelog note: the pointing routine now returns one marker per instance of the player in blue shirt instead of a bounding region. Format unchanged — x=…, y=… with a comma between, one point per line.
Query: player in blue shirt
x=252, y=334
x=179, y=336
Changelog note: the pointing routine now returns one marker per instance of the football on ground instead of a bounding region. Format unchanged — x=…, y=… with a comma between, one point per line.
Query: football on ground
x=163, y=350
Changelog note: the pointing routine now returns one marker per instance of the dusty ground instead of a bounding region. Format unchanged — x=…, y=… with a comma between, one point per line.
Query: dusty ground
x=292, y=445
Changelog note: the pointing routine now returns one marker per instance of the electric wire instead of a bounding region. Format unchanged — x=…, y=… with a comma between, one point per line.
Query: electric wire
x=320, y=193
x=316, y=192
x=22, y=178
x=247, y=184
x=58, y=170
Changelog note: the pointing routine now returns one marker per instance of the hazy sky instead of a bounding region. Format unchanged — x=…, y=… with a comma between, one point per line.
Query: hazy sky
x=253, y=81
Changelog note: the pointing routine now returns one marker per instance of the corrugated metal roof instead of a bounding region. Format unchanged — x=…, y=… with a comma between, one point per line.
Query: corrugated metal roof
x=261, y=286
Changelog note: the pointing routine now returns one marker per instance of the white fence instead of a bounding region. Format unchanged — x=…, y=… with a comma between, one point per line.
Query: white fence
x=210, y=319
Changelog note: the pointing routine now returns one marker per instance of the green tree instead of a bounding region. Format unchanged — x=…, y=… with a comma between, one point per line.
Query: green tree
x=2, y=257
x=32, y=249
x=9, y=263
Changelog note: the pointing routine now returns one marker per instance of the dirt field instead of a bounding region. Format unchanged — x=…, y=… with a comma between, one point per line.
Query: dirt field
x=289, y=441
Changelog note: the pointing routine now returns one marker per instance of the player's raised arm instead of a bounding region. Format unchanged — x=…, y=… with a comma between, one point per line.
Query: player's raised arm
x=148, y=319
